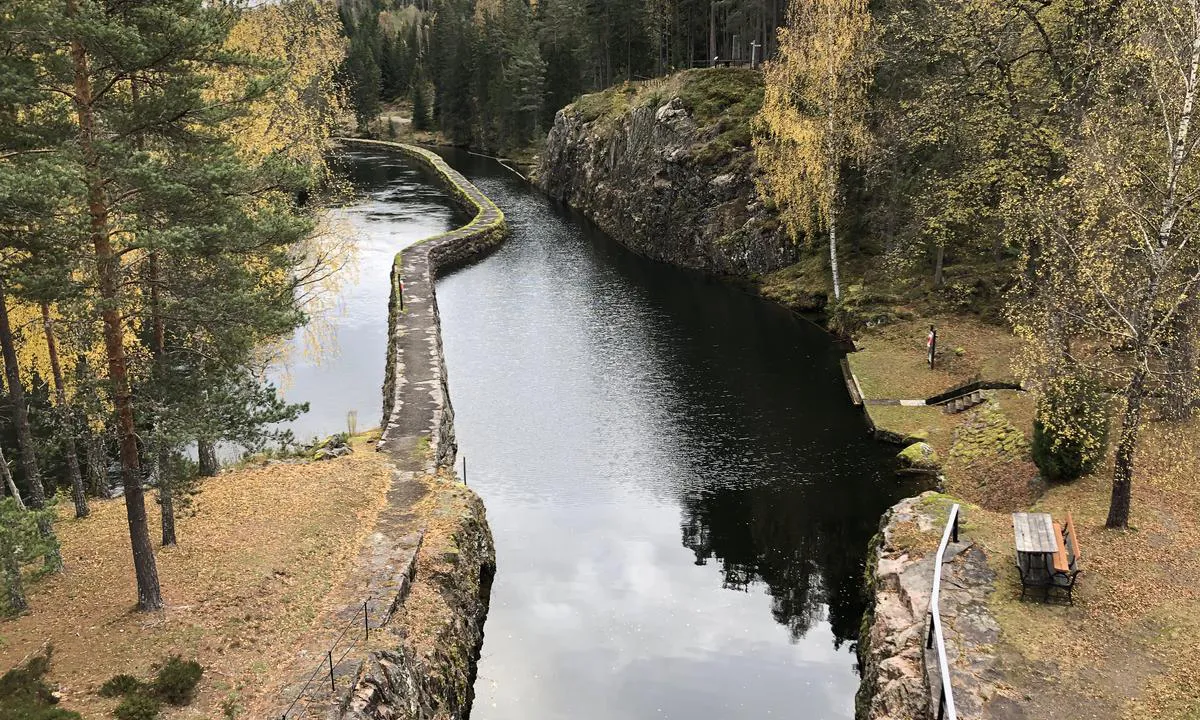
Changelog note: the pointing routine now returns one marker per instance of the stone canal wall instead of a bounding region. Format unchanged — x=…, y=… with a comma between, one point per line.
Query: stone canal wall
x=422, y=664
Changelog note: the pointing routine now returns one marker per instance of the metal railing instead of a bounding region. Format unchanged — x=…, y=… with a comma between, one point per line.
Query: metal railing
x=946, y=696
x=327, y=662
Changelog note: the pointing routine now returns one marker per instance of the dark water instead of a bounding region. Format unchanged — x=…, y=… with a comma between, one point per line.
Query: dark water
x=401, y=204
x=680, y=492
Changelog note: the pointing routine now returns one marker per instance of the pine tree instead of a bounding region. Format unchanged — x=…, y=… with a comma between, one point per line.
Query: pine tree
x=420, y=106
x=363, y=72
x=158, y=164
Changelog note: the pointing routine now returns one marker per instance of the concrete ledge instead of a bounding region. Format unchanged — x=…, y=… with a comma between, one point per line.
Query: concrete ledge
x=418, y=418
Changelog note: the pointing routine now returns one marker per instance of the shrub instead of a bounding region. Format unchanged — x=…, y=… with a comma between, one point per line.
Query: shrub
x=25, y=695
x=176, y=680
x=137, y=706
x=1070, y=428
x=119, y=685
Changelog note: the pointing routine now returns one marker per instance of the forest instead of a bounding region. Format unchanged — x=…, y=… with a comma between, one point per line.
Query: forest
x=162, y=174
x=493, y=73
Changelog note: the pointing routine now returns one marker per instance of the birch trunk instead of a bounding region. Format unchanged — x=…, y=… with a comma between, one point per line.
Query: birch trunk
x=6, y=476
x=1122, y=487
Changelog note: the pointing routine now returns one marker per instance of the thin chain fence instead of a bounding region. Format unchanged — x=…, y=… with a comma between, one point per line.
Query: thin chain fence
x=361, y=622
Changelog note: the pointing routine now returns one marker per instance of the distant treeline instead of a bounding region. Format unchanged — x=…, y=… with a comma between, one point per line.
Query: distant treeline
x=492, y=73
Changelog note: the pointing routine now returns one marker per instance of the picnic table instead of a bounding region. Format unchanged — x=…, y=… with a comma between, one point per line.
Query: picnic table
x=1034, y=533
x=1047, y=553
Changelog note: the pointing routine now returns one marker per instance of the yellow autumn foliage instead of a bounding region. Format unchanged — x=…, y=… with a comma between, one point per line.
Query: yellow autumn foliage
x=814, y=102
x=297, y=117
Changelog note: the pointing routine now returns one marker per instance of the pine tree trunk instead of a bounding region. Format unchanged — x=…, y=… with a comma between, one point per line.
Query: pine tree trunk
x=16, y=396
x=96, y=456
x=1122, y=489
x=7, y=477
x=166, y=501
x=68, y=417
x=107, y=274
x=13, y=588
x=157, y=345
x=209, y=465
x=97, y=465
x=938, y=278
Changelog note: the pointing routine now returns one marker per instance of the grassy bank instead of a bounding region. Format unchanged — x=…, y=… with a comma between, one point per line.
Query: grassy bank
x=255, y=565
x=1124, y=650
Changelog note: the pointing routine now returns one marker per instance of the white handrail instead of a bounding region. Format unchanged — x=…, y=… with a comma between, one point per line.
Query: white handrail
x=946, y=700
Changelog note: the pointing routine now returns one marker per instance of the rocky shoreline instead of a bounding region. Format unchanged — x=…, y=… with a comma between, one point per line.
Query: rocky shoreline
x=644, y=179
x=900, y=677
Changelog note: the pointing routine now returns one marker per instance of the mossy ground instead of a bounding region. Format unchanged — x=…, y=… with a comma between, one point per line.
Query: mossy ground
x=1125, y=649
x=721, y=101
x=253, y=568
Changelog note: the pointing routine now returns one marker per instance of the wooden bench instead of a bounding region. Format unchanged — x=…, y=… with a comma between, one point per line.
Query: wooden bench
x=1061, y=563
x=1066, y=559
x=1072, y=540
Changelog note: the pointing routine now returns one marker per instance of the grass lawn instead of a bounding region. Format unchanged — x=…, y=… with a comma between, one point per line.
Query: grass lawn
x=252, y=570
x=1126, y=648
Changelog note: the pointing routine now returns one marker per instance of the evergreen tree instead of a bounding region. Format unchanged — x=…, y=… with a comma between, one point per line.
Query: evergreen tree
x=363, y=73
x=420, y=106
x=451, y=68
x=157, y=163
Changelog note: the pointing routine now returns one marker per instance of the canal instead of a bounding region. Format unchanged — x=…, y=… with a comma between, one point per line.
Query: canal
x=680, y=492
x=341, y=371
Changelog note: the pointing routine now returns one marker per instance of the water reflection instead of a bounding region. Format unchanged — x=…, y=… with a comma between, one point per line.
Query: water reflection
x=611, y=407
x=400, y=203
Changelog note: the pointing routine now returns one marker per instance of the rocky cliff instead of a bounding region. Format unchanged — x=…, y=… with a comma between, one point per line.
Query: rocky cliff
x=900, y=678
x=666, y=168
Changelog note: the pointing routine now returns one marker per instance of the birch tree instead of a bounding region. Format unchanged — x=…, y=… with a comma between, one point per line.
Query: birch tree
x=1121, y=259
x=812, y=120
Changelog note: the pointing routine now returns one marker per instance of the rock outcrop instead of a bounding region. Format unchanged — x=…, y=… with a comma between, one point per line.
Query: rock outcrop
x=424, y=664
x=900, y=678
x=891, y=645
x=667, y=179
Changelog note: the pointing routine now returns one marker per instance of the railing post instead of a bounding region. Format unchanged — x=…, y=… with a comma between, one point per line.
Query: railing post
x=954, y=530
x=332, y=686
x=929, y=637
x=464, y=469
x=366, y=622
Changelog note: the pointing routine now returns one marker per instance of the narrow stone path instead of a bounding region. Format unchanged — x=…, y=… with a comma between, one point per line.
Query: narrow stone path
x=418, y=438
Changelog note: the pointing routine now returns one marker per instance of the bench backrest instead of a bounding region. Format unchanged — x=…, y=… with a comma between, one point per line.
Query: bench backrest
x=1076, y=553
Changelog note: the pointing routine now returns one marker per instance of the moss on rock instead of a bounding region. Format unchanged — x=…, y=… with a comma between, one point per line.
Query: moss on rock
x=919, y=455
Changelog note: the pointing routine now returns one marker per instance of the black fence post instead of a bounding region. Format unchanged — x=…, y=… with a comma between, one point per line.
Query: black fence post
x=929, y=637
x=954, y=529
x=332, y=686
x=464, y=469
x=366, y=622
